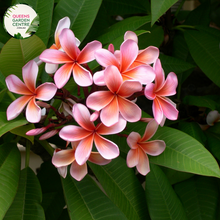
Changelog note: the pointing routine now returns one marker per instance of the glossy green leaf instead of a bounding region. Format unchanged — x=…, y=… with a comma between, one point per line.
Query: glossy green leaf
x=4, y=36
x=26, y=204
x=10, y=163
x=86, y=201
x=199, y=196
x=18, y=53
x=122, y=187
x=6, y=125
x=162, y=201
x=159, y=7
x=82, y=14
x=204, y=49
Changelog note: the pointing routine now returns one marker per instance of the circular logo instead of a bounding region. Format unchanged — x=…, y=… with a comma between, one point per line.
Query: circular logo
x=21, y=21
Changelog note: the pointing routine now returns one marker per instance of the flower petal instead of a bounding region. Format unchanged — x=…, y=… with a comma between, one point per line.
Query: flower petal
x=95, y=157
x=143, y=163
x=82, y=76
x=149, y=91
x=148, y=55
x=46, y=91
x=157, y=111
x=131, y=35
x=62, y=171
x=33, y=111
x=63, y=157
x=62, y=75
x=87, y=53
x=150, y=130
x=16, y=107
x=153, y=148
x=129, y=52
x=29, y=73
x=106, y=58
x=128, y=88
x=99, y=78
x=15, y=85
x=132, y=140
x=51, y=67
x=77, y=171
x=106, y=148
x=132, y=158
x=212, y=117
x=159, y=78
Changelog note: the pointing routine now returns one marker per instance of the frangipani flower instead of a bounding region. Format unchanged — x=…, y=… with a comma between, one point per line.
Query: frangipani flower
x=89, y=133
x=62, y=158
x=162, y=106
x=212, y=117
x=115, y=101
x=30, y=93
x=123, y=60
x=140, y=147
x=72, y=58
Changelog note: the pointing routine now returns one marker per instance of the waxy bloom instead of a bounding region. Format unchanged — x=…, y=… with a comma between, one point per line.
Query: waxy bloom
x=114, y=102
x=72, y=58
x=30, y=93
x=89, y=133
x=62, y=158
x=163, y=107
x=140, y=147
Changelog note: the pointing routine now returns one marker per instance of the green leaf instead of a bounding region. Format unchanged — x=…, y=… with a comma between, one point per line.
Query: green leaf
x=10, y=163
x=6, y=125
x=26, y=204
x=184, y=153
x=85, y=200
x=204, y=49
x=162, y=201
x=18, y=53
x=159, y=7
x=119, y=29
x=199, y=196
x=209, y=30
x=82, y=14
x=122, y=187
x=4, y=36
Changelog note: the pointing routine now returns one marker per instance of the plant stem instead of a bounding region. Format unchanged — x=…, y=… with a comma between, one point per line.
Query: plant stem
x=46, y=146
x=27, y=155
x=11, y=95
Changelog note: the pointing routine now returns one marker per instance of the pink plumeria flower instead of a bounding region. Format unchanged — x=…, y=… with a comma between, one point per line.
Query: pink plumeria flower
x=114, y=102
x=140, y=147
x=123, y=60
x=63, y=23
x=89, y=133
x=30, y=93
x=72, y=58
x=62, y=158
x=163, y=107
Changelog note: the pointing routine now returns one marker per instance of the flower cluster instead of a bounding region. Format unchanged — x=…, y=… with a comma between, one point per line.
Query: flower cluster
x=109, y=101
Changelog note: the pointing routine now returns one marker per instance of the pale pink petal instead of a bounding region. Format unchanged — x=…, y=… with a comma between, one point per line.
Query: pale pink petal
x=106, y=148
x=63, y=157
x=149, y=91
x=106, y=58
x=83, y=150
x=159, y=79
x=142, y=73
x=46, y=91
x=131, y=35
x=68, y=43
x=62, y=75
x=73, y=133
x=129, y=52
x=96, y=158
x=29, y=73
x=94, y=116
x=77, y=42
x=129, y=110
x=77, y=171
x=157, y=111
x=55, y=56
x=98, y=100
x=110, y=113
x=87, y=53
x=132, y=140
x=16, y=107
x=212, y=117
x=149, y=55
x=163, y=121
x=99, y=78
x=153, y=148
x=51, y=68
x=62, y=171
x=82, y=117
x=150, y=130
x=15, y=85
x=128, y=88
x=111, y=48
x=132, y=158
x=48, y=135
x=33, y=111
x=169, y=87
x=143, y=163
x=82, y=76
x=36, y=131
x=114, y=129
